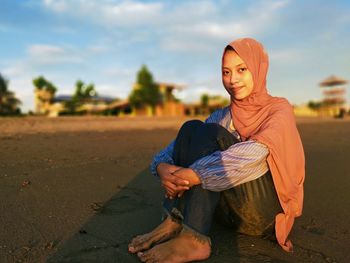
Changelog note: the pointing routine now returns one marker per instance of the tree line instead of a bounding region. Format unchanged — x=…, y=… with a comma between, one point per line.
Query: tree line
x=9, y=104
x=146, y=93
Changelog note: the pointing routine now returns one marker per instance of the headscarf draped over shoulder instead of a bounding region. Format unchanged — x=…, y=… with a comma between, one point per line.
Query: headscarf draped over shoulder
x=270, y=121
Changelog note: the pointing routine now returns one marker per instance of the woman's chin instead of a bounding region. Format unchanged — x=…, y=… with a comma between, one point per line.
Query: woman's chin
x=238, y=97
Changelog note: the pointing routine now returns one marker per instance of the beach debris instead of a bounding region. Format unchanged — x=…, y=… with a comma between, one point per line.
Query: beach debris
x=116, y=245
x=26, y=183
x=27, y=249
x=82, y=231
x=313, y=228
x=97, y=207
x=49, y=245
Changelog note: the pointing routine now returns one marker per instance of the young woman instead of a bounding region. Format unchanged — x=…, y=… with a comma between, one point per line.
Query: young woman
x=245, y=164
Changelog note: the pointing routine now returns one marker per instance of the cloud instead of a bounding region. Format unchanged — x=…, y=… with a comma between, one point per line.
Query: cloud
x=108, y=13
x=186, y=26
x=98, y=49
x=288, y=54
x=41, y=54
x=56, y=5
x=45, y=50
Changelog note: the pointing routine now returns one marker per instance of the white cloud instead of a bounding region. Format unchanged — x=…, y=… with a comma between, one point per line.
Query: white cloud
x=108, y=13
x=196, y=23
x=115, y=71
x=56, y=5
x=98, y=49
x=41, y=54
x=288, y=54
x=45, y=50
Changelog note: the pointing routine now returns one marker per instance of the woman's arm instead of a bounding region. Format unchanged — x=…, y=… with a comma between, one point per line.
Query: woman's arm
x=240, y=163
x=163, y=167
x=164, y=156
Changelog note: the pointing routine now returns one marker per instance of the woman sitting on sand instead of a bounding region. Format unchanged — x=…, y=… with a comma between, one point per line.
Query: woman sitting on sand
x=245, y=164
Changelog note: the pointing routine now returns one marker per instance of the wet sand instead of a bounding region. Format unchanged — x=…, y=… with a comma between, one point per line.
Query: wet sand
x=78, y=189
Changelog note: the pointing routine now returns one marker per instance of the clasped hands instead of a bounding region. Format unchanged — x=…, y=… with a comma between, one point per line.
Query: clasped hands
x=176, y=179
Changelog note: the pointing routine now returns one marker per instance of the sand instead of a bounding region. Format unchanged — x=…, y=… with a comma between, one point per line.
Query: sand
x=78, y=189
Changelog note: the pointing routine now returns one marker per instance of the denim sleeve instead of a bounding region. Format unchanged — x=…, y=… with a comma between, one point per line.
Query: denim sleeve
x=215, y=117
x=164, y=156
x=240, y=163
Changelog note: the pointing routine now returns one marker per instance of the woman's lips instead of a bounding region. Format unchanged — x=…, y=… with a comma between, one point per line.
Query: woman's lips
x=236, y=89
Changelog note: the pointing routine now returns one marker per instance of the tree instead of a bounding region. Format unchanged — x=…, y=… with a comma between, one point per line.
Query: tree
x=146, y=92
x=205, y=100
x=82, y=93
x=9, y=104
x=43, y=84
x=314, y=105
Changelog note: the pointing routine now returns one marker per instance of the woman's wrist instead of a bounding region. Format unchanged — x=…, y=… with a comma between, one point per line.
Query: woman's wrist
x=160, y=167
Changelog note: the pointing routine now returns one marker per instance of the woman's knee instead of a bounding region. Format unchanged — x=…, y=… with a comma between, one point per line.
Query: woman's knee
x=192, y=124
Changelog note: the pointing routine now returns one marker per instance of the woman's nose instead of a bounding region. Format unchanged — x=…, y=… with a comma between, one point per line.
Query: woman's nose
x=234, y=78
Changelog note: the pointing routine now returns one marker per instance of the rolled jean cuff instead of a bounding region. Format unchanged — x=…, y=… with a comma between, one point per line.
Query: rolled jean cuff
x=175, y=214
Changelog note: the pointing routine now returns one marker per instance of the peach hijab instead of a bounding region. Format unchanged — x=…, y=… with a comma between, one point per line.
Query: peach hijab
x=270, y=120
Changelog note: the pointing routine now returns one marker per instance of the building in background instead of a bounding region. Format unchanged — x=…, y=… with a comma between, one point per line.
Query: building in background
x=334, y=97
x=46, y=103
x=169, y=104
x=207, y=105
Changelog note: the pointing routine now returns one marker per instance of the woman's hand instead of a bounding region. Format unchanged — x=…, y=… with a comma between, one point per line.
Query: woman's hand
x=172, y=184
x=187, y=174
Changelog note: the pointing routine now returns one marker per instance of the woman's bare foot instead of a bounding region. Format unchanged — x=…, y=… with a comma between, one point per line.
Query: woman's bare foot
x=187, y=246
x=166, y=230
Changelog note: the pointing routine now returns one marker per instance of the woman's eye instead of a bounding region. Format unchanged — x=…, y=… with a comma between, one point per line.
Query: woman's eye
x=240, y=70
x=225, y=73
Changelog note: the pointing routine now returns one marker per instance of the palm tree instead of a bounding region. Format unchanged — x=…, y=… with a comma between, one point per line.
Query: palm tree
x=83, y=92
x=9, y=104
x=41, y=83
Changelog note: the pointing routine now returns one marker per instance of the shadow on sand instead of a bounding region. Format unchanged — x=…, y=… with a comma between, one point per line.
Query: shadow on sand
x=134, y=209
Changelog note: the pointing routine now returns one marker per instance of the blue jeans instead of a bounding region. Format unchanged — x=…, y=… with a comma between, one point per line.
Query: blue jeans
x=195, y=140
x=250, y=207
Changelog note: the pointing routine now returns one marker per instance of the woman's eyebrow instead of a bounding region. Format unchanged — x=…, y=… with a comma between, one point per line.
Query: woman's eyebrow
x=240, y=64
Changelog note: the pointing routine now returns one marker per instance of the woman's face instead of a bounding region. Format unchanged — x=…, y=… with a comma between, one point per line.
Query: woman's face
x=237, y=79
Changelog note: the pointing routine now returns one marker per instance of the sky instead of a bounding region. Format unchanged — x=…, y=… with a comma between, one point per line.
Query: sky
x=106, y=42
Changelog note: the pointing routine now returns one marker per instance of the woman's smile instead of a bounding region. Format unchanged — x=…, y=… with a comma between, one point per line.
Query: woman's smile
x=237, y=79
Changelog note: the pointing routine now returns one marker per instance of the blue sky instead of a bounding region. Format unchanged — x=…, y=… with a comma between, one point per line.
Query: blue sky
x=107, y=41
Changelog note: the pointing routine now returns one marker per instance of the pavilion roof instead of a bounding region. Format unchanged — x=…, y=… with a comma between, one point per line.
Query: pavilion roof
x=332, y=81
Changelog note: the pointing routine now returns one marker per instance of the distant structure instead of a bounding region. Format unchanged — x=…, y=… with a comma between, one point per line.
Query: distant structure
x=334, y=100
x=46, y=103
x=169, y=105
x=43, y=99
x=214, y=103
x=303, y=110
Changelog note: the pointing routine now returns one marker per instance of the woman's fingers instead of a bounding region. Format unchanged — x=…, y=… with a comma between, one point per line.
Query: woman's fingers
x=169, y=187
x=180, y=182
x=176, y=180
x=179, y=194
x=173, y=168
x=174, y=188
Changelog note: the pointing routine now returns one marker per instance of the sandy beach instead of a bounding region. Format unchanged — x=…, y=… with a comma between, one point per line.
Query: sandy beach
x=77, y=189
